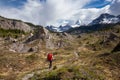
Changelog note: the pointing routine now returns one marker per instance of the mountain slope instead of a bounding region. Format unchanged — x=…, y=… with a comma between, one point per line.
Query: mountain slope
x=14, y=24
x=102, y=22
x=96, y=56
x=59, y=29
x=87, y=55
x=64, y=26
x=106, y=19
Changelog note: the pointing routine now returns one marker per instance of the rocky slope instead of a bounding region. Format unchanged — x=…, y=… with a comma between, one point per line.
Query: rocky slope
x=14, y=24
x=106, y=19
x=91, y=55
x=98, y=56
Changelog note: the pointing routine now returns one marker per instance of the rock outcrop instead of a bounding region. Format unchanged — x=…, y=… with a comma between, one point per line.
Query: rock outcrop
x=14, y=24
x=41, y=33
x=50, y=40
x=117, y=48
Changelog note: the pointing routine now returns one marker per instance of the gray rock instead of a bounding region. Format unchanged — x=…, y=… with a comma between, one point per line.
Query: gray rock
x=14, y=24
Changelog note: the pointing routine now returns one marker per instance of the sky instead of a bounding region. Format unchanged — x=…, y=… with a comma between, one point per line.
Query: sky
x=52, y=12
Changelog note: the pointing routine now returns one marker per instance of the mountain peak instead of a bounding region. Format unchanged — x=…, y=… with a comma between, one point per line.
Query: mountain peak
x=118, y=16
x=106, y=19
x=78, y=22
x=106, y=15
x=64, y=25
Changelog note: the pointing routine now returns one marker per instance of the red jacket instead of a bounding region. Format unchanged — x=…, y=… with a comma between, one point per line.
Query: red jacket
x=50, y=56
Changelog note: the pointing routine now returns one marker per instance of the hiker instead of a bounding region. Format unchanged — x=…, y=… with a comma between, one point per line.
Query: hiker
x=50, y=58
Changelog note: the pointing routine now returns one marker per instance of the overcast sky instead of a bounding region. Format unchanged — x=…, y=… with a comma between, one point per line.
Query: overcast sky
x=50, y=12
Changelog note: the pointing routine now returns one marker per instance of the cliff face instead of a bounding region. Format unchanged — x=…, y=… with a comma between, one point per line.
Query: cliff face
x=50, y=40
x=14, y=24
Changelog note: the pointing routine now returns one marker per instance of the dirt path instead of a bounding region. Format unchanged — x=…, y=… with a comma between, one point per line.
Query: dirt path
x=59, y=64
x=30, y=75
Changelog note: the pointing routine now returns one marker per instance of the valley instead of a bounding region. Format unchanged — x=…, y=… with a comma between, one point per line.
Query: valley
x=87, y=55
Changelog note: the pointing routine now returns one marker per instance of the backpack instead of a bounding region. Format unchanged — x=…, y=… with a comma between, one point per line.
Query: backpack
x=49, y=56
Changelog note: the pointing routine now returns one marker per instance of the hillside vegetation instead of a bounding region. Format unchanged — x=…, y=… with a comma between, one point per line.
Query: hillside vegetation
x=93, y=55
x=11, y=33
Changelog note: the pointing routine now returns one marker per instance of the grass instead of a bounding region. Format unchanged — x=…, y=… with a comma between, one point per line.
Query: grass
x=69, y=70
x=18, y=64
x=110, y=59
x=69, y=73
x=15, y=33
x=90, y=65
x=31, y=58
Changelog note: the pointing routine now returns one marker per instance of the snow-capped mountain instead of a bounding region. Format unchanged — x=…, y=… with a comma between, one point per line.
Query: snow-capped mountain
x=51, y=28
x=118, y=17
x=106, y=19
x=59, y=29
x=64, y=25
x=77, y=23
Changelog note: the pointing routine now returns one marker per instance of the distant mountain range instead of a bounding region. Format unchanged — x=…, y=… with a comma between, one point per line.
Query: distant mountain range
x=64, y=25
x=106, y=19
x=59, y=29
x=103, y=19
x=78, y=56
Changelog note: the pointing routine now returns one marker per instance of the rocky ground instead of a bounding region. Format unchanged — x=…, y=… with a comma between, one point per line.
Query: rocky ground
x=86, y=56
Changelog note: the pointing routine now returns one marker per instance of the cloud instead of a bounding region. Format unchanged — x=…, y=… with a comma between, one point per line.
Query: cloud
x=29, y=12
x=48, y=12
x=115, y=7
x=87, y=15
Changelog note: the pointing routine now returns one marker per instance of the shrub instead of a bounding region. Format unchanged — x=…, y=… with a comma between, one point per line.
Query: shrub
x=31, y=58
x=11, y=32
